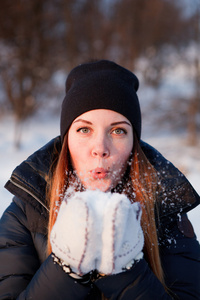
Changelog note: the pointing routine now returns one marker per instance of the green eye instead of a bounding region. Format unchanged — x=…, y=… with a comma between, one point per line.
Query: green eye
x=119, y=131
x=83, y=130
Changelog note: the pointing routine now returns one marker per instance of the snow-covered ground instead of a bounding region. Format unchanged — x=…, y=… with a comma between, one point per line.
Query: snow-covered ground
x=40, y=130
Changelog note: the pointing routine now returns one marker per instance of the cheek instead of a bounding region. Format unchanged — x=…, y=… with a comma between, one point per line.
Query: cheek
x=121, y=163
x=73, y=156
x=77, y=153
x=124, y=152
x=73, y=150
x=76, y=156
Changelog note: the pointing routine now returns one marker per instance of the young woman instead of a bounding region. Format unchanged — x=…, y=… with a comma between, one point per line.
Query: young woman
x=73, y=229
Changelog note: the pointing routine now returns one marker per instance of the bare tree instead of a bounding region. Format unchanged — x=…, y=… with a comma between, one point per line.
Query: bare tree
x=86, y=31
x=27, y=54
x=145, y=28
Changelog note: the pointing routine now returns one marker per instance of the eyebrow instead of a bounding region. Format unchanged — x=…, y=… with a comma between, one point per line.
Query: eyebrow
x=81, y=120
x=121, y=122
x=112, y=124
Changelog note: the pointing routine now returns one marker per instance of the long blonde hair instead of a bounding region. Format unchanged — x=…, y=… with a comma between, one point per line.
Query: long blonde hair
x=141, y=186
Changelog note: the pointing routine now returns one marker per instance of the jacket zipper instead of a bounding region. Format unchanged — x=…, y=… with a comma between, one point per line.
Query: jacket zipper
x=28, y=192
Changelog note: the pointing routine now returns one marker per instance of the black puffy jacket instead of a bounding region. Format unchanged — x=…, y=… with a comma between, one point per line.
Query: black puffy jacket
x=27, y=272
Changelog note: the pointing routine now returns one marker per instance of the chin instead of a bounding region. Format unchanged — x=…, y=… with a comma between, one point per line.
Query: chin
x=101, y=186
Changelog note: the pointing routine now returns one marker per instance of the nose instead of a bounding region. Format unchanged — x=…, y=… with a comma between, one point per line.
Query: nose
x=100, y=149
x=99, y=153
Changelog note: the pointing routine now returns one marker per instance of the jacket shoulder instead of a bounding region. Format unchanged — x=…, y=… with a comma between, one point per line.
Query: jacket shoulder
x=176, y=194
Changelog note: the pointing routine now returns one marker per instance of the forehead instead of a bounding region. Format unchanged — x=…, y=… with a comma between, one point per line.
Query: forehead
x=102, y=115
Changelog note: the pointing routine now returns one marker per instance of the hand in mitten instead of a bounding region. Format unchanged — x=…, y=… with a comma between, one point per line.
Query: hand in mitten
x=122, y=235
x=75, y=235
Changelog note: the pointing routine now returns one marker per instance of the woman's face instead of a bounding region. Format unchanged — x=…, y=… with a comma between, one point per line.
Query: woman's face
x=100, y=143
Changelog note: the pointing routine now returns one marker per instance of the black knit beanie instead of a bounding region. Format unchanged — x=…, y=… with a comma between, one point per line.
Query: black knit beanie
x=100, y=85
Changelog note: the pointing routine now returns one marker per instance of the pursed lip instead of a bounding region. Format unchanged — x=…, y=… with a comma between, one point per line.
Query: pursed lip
x=99, y=173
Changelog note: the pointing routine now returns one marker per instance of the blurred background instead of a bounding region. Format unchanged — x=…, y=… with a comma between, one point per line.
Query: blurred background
x=41, y=40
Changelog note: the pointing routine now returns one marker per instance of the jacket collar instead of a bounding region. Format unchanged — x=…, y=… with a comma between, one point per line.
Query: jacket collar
x=29, y=180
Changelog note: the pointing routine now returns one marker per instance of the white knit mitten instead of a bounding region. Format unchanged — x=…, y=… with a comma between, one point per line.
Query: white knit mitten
x=122, y=236
x=76, y=235
x=97, y=230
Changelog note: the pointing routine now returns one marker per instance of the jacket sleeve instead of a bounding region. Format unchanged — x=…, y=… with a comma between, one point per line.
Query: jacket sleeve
x=22, y=276
x=180, y=254
x=139, y=283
